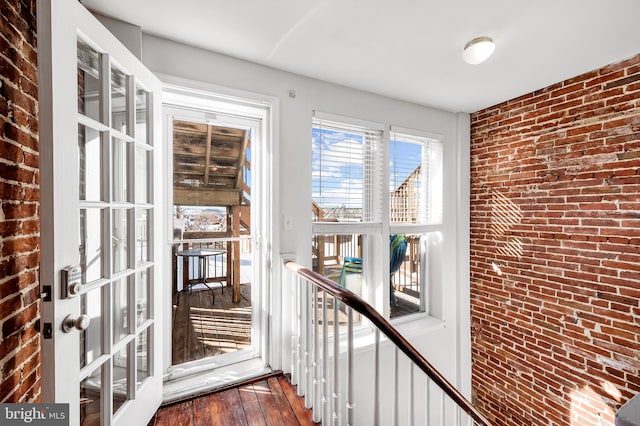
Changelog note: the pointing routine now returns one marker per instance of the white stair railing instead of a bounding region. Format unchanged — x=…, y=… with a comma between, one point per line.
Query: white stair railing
x=322, y=363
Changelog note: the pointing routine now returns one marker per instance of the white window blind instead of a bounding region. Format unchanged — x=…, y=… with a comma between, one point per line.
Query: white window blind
x=347, y=170
x=415, y=181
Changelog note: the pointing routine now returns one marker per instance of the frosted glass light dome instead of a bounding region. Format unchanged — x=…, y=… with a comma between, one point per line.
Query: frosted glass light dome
x=478, y=50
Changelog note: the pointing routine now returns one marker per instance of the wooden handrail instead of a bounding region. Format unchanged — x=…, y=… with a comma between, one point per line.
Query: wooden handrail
x=358, y=304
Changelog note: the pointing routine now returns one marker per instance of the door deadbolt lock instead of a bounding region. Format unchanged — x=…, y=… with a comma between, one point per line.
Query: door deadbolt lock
x=71, y=281
x=78, y=322
x=73, y=289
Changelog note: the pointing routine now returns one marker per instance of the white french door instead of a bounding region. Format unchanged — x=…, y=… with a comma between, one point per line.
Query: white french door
x=101, y=209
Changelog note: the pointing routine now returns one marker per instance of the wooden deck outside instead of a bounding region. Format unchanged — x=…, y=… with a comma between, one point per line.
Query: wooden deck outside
x=271, y=401
x=407, y=301
x=202, y=329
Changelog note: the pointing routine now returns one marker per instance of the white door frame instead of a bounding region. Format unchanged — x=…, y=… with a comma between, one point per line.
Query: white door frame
x=183, y=93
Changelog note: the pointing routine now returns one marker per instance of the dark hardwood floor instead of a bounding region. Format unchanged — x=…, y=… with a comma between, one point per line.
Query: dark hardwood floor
x=271, y=402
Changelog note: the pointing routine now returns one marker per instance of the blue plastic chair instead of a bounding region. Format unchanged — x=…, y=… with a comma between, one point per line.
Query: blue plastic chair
x=351, y=265
x=398, y=251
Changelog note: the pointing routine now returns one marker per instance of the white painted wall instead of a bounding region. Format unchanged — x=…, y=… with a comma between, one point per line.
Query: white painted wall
x=128, y=34
x=442, y=345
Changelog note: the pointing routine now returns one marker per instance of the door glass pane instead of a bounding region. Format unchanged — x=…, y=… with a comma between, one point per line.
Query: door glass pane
x=142, y=235
x=88, y=81
x=142, y=179
x=120, y=374
x=120, y=237
x=120, y=160
x=213, y=188
x=142, y=296
x=119, y=302
x=91, y=337
x=90, y=163
x=91, y=242
x=142, y=100
x=90, y=399
x=118, y=100
x=142, y=356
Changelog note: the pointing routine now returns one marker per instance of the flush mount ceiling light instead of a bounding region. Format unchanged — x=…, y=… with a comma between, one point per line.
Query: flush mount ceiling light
x=478, y=50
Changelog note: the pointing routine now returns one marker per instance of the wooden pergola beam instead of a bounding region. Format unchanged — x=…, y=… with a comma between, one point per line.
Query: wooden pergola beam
x=205, y=197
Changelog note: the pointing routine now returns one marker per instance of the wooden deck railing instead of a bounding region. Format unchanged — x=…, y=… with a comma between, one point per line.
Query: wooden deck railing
x=318, y=359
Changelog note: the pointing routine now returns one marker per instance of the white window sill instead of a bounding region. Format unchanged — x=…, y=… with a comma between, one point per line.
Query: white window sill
x=409, y=327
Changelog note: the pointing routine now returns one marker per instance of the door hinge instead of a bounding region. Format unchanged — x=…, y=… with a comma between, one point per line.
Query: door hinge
x=47, y=331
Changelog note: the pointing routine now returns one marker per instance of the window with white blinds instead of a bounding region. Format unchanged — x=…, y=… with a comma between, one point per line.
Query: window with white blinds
x=415, y=179
x=355, y=172
x=346, y=169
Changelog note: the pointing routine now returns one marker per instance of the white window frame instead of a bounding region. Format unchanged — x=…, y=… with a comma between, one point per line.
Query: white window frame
x=431, y=228
x=378, y=230
x=371, y=224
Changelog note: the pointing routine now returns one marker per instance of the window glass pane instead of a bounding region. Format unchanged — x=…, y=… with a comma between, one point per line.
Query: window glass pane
x=406, y=190
x=120, y=178
x=337, y=175
x=91, y=242
x=415, y=180
x=346, y=168
x=339, y=258
x=120, y=296
x=91, y=337
x=90, y=163
x=88, y=81
x=408, y=277
x=142, y=100
x=118, y=100
x=90, y=399
x=120, y=236
x=142, y=178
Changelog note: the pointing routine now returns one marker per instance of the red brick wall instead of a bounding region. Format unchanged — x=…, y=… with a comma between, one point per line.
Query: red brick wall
x=19, y=204
x=555, y=251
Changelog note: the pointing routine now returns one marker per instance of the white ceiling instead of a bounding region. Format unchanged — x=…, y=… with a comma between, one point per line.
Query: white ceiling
x=405, y=49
